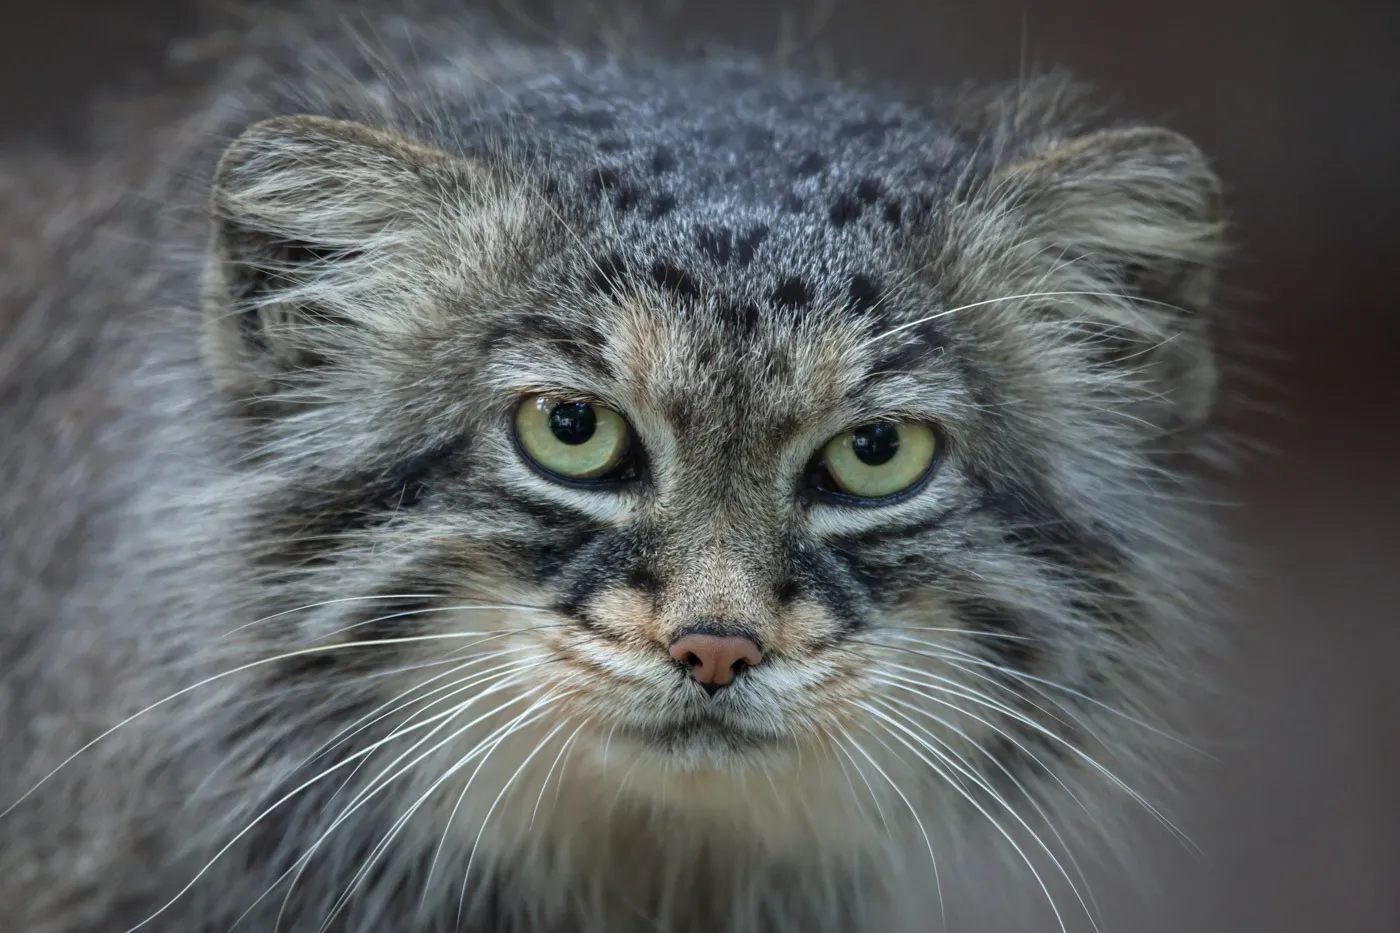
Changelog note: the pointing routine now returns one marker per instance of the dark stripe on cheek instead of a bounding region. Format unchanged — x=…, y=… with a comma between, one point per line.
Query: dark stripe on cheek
x=394, y=615
x=1003, y=634
x=403, y=608
x=544, y=558
x=1037, y=529
x=307, y=531
x=873, y=544
x=830, y=581
x=610, y=560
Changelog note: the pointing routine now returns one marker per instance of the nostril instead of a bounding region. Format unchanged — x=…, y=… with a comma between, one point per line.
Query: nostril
x=714, y=660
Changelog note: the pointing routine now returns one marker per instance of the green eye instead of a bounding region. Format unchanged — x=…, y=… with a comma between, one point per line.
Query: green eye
x=880, y=460
x=573, y=440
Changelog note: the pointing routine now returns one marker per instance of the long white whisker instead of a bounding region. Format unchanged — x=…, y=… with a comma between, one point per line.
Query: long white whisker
x=912, y=812
x=476, y=844
x=991, y=301
x=380, y=782
x=544, y=785
x=505, y=732
x=404, y=699
x=435, y=609
x=1019, y=785
x=967, y=770
x=957, y=785
x=418, y=718
x=875, y=798
x=962, y=692
x=322, y=604
x=953, y=659
x=951, y=653
x=243, y=832
x=352, y=599
x=261, y=662
x=360, y=757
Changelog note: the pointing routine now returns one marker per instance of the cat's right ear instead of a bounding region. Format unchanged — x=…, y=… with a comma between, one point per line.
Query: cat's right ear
x=321, y=229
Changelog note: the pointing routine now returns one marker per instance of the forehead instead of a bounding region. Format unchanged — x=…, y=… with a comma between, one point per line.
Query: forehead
x=732, y=245
x=728, y=139
x=703, y=363
x=759, y=187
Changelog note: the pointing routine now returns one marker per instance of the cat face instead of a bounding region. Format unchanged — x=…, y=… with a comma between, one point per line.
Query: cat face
x=904, y=507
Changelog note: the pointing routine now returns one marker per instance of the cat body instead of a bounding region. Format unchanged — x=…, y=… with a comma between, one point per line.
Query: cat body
x=310, y=626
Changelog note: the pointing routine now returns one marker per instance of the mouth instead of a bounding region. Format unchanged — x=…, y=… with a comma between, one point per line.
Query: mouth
x=704, y=727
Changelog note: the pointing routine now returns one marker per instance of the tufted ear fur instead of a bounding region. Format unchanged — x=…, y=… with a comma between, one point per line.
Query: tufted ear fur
x=320, y=251
x=1135, y=213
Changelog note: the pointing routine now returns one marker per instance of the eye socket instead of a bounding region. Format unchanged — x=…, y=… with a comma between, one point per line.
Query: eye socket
x=877, y=461
x=572, y=440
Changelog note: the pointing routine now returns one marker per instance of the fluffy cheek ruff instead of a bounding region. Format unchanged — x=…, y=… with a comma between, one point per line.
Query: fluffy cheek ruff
x=589, y=755
x=909, y=728
x=589, y=736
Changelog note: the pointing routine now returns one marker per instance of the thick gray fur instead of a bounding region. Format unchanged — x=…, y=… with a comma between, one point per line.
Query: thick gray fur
x=259, y=347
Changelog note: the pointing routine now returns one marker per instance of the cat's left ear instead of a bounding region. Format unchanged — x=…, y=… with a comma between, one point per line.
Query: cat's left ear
x=1142, y=204
x=1135, y=213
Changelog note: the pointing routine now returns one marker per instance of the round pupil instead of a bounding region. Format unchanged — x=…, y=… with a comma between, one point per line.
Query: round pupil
x=573, y=423
x=876, y=444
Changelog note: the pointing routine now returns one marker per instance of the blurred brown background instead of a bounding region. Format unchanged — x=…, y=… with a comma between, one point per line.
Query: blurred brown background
x=1300, y=104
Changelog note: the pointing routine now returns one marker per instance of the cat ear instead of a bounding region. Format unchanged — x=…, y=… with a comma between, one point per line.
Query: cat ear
x=1134, y=213
x=313, y=258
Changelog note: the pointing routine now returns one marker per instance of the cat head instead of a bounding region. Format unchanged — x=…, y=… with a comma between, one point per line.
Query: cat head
x=854, y=471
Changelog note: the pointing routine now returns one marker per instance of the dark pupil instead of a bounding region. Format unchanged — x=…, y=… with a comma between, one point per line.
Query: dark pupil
x=573, y=422
x=876, y=443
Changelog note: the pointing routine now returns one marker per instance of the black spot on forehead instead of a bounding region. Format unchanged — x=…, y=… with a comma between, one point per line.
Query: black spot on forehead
x=627, y=197
x=749, y=242
x=743, y=317
x=869, y=190
x=604, y=179
x=661, y=205
x=863, y=292
x=663, y=160
x=845, y=209
x=810, y=164
x=716, y=243
x=792, y=293
x=607, y=274
x=673, y=279
x=675, y=163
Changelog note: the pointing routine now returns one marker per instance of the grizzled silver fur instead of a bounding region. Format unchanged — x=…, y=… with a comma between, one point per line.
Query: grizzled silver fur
x=291, y=632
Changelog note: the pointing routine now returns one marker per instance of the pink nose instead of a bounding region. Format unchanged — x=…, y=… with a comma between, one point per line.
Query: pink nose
x=715, y=659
